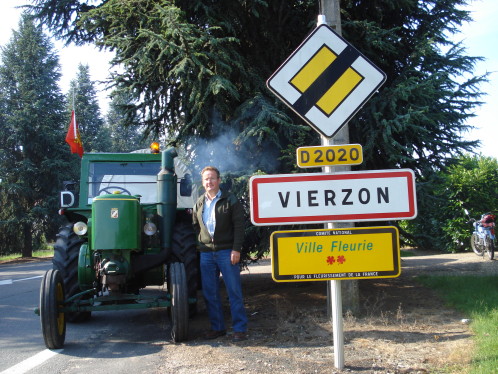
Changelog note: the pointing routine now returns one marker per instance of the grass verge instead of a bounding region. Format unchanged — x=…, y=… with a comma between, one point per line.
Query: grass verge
x=477, y=298
x=15, y=256
x=407, y=253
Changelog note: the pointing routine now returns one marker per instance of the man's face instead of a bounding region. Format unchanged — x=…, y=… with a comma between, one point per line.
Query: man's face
x=211, y=182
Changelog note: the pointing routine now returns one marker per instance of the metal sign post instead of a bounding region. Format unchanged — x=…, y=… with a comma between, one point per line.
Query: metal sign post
x=334, y=287
x=331, y=10
x=325, y=81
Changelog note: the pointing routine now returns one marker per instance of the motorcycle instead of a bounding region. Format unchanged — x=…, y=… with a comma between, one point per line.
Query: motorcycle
x=483, y=237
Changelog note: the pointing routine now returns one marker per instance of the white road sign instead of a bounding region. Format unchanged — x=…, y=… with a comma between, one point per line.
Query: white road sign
x=326, y=80
x=318, y=198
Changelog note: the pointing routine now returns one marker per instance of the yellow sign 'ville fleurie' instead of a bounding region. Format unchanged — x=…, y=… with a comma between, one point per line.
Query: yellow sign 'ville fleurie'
x=346, y=253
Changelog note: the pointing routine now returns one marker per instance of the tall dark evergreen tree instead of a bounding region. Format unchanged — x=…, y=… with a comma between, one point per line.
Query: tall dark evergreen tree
x=33, y=155
x=82, y=93
x=197, y=69
x=418, y=119
x=125, y=137
x=184, y=65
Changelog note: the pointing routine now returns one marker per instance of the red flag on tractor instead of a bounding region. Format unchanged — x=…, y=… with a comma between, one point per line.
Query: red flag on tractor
x=73, y=137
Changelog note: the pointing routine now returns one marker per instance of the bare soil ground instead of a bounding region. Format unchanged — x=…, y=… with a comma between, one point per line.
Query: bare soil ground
x=402, y=327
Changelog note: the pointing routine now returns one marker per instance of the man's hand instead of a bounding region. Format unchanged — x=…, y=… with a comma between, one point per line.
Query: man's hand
x=235, y=257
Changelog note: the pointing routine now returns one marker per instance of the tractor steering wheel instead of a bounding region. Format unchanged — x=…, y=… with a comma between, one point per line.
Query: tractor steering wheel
x=118, y=188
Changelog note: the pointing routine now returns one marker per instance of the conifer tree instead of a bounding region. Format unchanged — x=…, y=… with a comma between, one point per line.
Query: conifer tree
x=33, y=154
x=125, y=137
x=418, y=119
x=82, y=94
x=196, y=69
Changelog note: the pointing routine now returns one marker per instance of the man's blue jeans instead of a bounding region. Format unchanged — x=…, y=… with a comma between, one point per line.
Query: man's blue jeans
x=212, y=263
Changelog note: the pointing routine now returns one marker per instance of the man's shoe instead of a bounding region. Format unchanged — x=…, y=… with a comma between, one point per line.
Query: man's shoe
x=239, y=336
x=213, y=334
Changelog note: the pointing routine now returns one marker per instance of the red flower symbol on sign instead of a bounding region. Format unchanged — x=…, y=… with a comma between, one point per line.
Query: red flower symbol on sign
x=341, y=259
x=330, y=260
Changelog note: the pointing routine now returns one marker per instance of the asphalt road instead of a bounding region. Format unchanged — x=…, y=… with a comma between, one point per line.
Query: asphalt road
x=467, y=263
x=138, y=341
x=115, y=341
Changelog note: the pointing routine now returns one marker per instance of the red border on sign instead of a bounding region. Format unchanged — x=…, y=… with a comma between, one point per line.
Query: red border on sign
x=408, y=174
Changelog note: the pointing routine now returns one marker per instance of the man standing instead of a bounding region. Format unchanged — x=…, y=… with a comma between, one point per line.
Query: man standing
x=219, y=222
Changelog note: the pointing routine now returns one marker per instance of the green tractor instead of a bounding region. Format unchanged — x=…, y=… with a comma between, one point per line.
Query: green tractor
x=129, y=227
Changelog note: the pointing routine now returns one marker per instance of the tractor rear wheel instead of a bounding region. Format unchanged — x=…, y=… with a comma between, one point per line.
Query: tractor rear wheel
x=184, y=250
x=177, y=286
x=53, y=322
x=66, y=252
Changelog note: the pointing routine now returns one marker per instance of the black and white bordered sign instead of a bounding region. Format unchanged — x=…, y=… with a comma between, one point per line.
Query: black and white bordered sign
x=326, y=81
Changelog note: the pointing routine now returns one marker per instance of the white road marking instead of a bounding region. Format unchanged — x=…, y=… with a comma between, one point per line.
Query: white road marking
x=32, y=362
x=10, y=281
x=25, y=279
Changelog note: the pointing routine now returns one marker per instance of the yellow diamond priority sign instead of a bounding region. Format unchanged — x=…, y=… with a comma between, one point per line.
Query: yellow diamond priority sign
x=326, y=81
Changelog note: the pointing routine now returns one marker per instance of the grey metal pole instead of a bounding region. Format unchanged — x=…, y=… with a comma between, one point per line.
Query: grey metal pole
x=331, y=11
x=351, y=299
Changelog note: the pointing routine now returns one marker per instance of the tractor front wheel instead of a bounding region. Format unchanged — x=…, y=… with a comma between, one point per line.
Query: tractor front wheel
x=66, y=253
x=53, y=321
x=177, y=286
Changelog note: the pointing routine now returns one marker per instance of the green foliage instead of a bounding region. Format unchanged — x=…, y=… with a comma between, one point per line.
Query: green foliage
x=425, y=231
x=174, y=67
x=82, y=97
x=418, y=117
x=46, y=252
x=195, y=70
x=477, y=297
x=33, y=156
x=472, y=184
x=125, y=137
x=194, y=67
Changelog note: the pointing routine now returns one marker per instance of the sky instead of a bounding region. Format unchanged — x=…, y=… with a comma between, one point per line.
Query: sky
x=69, y=57
x=479, y=37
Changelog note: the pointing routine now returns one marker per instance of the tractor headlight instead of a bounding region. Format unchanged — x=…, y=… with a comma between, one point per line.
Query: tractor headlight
x=80, y=228
x=150, y=228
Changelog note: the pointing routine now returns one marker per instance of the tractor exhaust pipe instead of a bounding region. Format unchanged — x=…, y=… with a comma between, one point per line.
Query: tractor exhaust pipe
x=166, y=211
x=166, y=194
